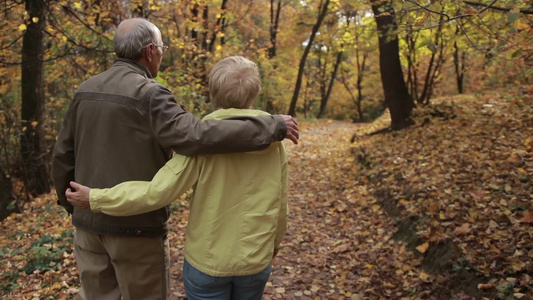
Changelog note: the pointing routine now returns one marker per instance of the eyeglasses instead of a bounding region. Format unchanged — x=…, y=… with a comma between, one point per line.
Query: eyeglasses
x=163, y=47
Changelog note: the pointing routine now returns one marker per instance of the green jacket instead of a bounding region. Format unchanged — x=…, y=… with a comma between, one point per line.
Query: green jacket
x=238, y=212
x=122, y=125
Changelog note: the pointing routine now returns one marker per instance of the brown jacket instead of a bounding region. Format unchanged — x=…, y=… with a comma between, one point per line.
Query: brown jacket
x=122, y=125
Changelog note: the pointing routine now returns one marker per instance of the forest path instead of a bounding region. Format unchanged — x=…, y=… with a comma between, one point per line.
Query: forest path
x=323, y=226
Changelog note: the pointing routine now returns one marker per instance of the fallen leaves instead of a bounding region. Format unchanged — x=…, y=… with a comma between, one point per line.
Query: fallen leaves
x=528, y=217
x=466, y=184
x=423, y=248
x=463, y=229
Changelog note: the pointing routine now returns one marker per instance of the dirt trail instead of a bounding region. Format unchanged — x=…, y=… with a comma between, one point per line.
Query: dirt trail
x=315, y=261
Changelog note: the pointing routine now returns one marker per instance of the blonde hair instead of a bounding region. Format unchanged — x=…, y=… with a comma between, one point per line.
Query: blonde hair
x=234, y=83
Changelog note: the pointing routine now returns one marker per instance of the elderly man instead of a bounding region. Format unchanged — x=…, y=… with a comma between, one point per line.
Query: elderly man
x=122, y=125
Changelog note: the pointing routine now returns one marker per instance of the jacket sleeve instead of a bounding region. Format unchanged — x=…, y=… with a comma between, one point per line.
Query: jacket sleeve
x=187, y=135
x=284, y=197
x=63, y=160
x=137, y=197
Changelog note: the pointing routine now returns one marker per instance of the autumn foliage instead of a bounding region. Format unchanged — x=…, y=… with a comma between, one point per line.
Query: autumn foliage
x=441, y=210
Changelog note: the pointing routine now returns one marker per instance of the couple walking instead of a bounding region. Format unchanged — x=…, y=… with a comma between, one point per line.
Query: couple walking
x=120, y=132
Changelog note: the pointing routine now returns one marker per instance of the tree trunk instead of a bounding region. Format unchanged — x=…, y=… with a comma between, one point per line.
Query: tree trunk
x=205, y=26
x=274, y=23
x=32, y=143
x=435, y=63
x=220, y=27
x=321, y=15
x=459, y=63
x=397, y=97
x=360, y=70
x=6, y=196
x=412, y=75
x=324, y=100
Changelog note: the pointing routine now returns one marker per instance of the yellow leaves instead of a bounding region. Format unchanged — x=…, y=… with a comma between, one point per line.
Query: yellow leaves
x=424, y=276
x=4, y=88
x=77, y=5
x=347, y=38
x=521, y=26
x=423, y=248
x=528, y=143
x=518, y=265
x=336, y=3
x=399, y=272
x=485, y=286
x=22, y=27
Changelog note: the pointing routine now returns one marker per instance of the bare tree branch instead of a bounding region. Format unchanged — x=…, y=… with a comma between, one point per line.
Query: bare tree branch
x=429, y=10
x=69, y=11
x=12, y=43
x=491, y=6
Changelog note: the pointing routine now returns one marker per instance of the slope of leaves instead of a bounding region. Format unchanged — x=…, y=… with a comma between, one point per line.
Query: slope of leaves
x=441, y=210
x=463, y=178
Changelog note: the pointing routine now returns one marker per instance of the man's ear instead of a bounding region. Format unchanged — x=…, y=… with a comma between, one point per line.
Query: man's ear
x=148, y=53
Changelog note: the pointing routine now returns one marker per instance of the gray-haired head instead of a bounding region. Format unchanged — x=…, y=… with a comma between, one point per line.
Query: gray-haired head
x=133, y=35
x=234, y=82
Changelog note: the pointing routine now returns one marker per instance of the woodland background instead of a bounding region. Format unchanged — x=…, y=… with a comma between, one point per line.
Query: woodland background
x=395, y=65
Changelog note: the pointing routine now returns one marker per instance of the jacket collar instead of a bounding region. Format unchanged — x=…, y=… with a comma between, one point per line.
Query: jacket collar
x=134, y=65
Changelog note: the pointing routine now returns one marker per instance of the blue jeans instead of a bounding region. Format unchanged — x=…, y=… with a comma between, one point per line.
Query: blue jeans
x=199, y=285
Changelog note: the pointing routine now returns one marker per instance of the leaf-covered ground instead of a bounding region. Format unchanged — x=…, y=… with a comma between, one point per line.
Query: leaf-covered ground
x=441, y=210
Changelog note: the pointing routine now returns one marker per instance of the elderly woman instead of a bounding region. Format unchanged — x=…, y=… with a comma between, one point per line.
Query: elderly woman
x=238, y=211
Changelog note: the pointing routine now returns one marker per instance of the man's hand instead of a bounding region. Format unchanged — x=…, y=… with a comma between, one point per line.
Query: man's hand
x=78, y=195
x=292, y=129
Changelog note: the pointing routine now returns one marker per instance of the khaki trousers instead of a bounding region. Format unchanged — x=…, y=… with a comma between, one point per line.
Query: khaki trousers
x=117, y=267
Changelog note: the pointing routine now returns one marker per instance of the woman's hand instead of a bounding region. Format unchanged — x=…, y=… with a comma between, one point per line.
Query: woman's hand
x=78, y=195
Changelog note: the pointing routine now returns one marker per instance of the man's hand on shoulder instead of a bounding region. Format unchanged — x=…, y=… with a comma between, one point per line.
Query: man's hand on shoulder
x=292, y=128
